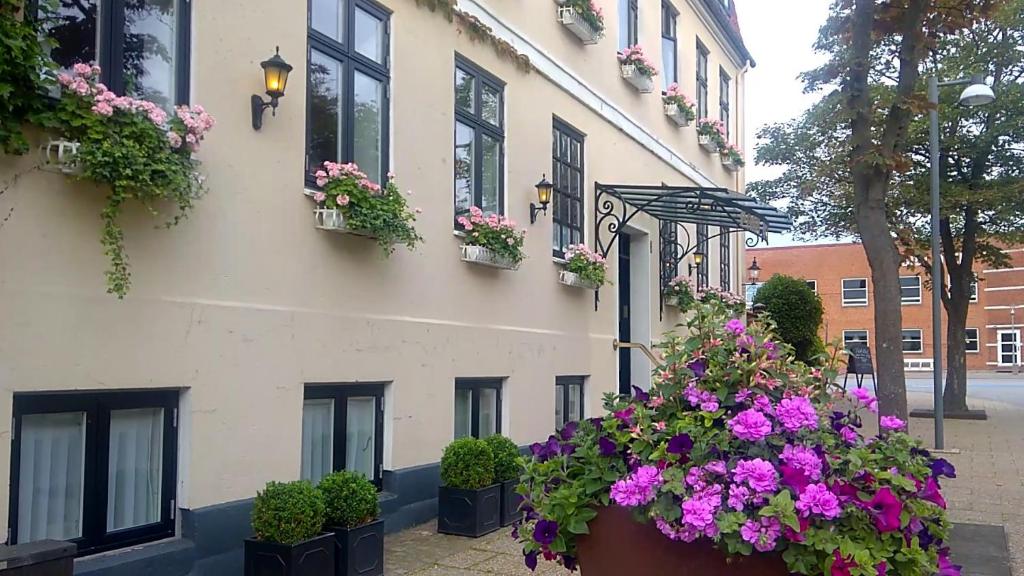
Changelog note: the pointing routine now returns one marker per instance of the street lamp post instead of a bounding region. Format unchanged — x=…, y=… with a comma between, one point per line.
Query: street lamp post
x=977, y=93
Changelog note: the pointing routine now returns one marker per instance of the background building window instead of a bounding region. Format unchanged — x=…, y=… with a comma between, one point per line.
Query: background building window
x=912, y=341
x=347, y=109
x=702, y=80
x=568, y=399
x=479, y=139
x=723, y=101
x=628, y=23
x=725, y=262
x=97, y=469
x=974, y=291
x=855, y=291
x=567, y=176
x=477, y=407
x=702, y=247
x=669, y=51
x=813, y=285
x=972, y=340
x=910, y=289
x=343, y=429
x=855, y=337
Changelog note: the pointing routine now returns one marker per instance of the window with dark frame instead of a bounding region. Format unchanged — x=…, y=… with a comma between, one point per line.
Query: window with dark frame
x=855, y=291
x=98, y=469
x=567, y=213
x=910, y=289
x=628, y=23
x=855, y=337
x=723, y=101
x=477, y=407
x=668, y=251
x=702, y=80
x=725, y=261
x=142, y=46
x=343, y=429
x=669, y=51
x=702, y=247
x=348, y=88
x=972, y=340
x=568, y=399
x=813, y=285
x=913, y=340
x=479, y=139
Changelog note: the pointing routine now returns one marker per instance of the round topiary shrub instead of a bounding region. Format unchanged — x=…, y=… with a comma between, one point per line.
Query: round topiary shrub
x=350, y=498
x=506, y=458
x=288, y=512
x=796, y=311
x=467, y=464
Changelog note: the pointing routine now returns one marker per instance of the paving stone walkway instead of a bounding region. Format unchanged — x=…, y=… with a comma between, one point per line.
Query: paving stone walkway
x=989, y=489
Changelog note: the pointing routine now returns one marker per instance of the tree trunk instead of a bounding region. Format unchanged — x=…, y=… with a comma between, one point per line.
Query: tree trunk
x=954, y=397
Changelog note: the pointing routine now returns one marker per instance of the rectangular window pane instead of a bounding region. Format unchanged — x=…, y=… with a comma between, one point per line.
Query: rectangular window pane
x=912, y=341
x=490, y=103
x=73, y=27
x=855, y=337
x=559, y=405
x=325, y=115
x=135, y=468
x=488, y=412
x=369, y=100
x=668, y=61
x=149, y=50
x=317, y=439
x=463, y=413
x=575, y=405
x=369, y=40
x=490, y=201
x=910, y=289
x=464, y=140
x=623, y=14
x=971, y=337
x=361, y=435
x=51, y=477
x=465, y=91
x=328, y=17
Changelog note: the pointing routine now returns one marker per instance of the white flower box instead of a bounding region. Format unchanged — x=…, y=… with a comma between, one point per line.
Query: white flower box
x=707, y=144
x=729, y=164
x=60, y=156
x=486, y=257
x=676, y=114
x=572, y=20
x=575, y=280
x=333, y=220
x=643, y=84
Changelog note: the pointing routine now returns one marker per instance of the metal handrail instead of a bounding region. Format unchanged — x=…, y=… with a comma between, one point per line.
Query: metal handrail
x=616, y=344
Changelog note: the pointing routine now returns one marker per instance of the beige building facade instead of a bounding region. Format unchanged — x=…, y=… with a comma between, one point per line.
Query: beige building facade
x=259, y=330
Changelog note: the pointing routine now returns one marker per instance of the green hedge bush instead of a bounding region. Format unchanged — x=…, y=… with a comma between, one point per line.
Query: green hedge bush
x=468, y=464
x=796, y=312
x=288, y=512
x=506, y=458
x=350, y=498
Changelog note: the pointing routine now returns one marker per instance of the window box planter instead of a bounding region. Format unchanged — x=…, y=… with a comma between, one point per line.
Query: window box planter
x=313, y=557
x=332, y=220
x=730, y=164
x=510, y=501
x=470, y=513
x=359, y=551
x=486, y=257
x=676, y=115
x=572, y=20
x=575, y=280
x=643, y=84
x=708, y=144
x=60, y=156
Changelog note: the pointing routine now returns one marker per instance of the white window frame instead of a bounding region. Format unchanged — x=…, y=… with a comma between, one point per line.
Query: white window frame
x=974, y=291
x=854, y=301
x=813, y=284
x=920, y=340
x=905, y=301
x=866, y=341
x=976, y=340
x=999, y=347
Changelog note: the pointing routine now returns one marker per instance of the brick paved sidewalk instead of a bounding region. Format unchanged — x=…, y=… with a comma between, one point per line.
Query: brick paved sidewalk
x=989, y=489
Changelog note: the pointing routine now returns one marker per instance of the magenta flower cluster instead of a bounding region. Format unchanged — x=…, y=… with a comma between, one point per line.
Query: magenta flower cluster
x=638, y=489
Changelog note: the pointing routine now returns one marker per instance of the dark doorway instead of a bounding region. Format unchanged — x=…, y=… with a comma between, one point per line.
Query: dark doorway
x=625, y=380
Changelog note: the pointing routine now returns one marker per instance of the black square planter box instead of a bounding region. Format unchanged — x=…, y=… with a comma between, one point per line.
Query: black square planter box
x=313, y=557
x=510, y=501
x=468, y=512
x=360, y=550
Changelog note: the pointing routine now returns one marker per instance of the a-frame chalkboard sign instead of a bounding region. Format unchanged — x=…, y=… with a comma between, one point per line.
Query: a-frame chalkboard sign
x=859, y=364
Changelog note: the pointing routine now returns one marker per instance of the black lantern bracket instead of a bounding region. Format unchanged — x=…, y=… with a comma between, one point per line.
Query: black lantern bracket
x=274, y=67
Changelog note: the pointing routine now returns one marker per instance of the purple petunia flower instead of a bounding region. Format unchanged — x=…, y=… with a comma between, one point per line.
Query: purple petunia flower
x=735, y=326
x=796, y=413
x=885, y=508
x=638, y=488
x=750, y=425
x=568, y=431
x=763, y=534
x=932, y=493
x=891, y=423
x=759, y=474
x=946, y=567
x=739, y=495
x=849, y=435
x=569, y=562
x=530, y=559
x=942, y=467
x=866, y=399
x=639, y=394
x=679, y=444
x=545, y=532
x=607, y=446
x=793, y=477
x=804, y=459
x=818, y=499
x=699, y=367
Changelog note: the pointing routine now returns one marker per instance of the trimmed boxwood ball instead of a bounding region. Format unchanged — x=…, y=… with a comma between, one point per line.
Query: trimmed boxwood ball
x=506, y=458
x=467, y=464
x=796, y=311
x=288, y=512
x=350, y=498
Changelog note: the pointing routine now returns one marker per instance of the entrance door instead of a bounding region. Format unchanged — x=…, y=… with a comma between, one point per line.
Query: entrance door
x=625, y=380
x=1009, y=347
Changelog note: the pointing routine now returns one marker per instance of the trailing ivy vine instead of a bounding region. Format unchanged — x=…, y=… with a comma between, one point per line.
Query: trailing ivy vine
x=478, y=31
x=25, y=71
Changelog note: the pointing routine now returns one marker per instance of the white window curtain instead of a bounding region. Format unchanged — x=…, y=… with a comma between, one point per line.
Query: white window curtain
x=51, y=477
x=488, y=412
x=463, y=413
x=317, y=439
x=135, y=469
x=360, y=435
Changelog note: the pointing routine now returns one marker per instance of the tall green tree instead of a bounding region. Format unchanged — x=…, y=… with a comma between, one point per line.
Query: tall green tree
x=850, y=158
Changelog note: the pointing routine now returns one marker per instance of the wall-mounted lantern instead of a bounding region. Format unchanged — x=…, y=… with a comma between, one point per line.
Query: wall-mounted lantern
x=275, y=77
x=754, y=272
x=698, y=259
x=544, y=189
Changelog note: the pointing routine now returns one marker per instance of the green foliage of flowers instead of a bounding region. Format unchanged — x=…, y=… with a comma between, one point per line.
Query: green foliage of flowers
x=507, y=464
x=587, y=264
x=732, y=154
x=713, y=129
x=350, y=499
x=675, y=95
x=738, y=445
x=496, y=233
x=467, y=464
x=590, y=13
x=796, y=311
x=288, y=512
x=24, y=66
x=681, y=293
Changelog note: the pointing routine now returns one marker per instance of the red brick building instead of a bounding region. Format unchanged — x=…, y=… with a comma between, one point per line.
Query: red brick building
x=841, y=276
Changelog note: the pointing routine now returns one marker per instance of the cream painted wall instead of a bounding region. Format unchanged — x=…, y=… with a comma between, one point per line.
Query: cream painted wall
x=245, y=301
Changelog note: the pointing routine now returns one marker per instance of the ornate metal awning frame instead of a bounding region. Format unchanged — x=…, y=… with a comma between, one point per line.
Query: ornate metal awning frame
x=617, y=204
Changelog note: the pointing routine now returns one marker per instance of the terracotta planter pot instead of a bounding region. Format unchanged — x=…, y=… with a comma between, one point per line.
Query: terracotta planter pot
x=617, y=544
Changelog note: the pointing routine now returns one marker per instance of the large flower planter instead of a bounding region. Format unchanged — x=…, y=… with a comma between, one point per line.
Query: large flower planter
x=486, y=257
x=572, y=20
x=730, y=164
x=618, y=544
x=333, y=220
x=313, y=557
x=470, y=513
x=676, y=115
x=707, y=144
x=643, y=84
x=60, y=156
x=575, y=280
x=510, y=501
x=359, y=551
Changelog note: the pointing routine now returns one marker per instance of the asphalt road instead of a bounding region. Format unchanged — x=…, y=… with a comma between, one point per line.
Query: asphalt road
x=1001, y=388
